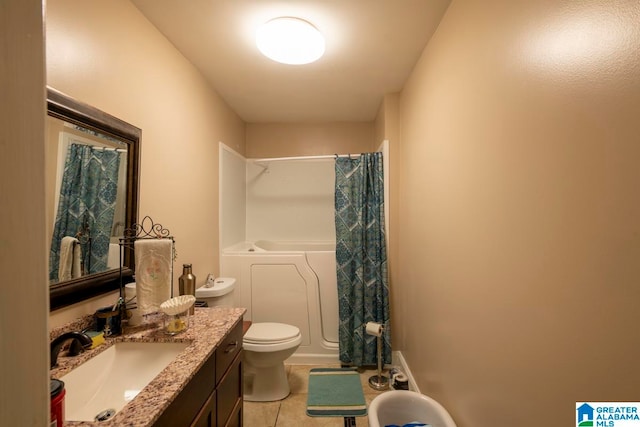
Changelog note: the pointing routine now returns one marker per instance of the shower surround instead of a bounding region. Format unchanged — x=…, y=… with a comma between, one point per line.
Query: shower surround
x=277, y=237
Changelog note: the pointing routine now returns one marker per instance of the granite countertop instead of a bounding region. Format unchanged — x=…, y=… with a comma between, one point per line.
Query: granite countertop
x=207, y=328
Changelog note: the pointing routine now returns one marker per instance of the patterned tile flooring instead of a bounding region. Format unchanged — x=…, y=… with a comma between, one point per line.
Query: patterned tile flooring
x=291, y=411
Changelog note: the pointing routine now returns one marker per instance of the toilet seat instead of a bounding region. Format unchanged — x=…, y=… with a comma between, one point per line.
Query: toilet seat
x=265, y=337
x=270, y=333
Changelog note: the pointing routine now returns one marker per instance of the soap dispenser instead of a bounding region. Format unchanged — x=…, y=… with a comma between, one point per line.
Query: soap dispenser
x=187, y=283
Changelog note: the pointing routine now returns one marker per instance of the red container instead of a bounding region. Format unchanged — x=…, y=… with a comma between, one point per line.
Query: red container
x=57, y=403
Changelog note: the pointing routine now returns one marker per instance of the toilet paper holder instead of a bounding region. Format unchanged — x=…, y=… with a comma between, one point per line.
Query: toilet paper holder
x=378, y=381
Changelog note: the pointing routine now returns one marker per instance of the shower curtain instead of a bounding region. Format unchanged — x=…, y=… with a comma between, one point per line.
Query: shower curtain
x=87, y=201
x=361, y=258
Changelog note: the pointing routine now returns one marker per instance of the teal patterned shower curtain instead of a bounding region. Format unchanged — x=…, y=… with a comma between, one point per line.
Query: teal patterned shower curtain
x=87, y=195
x=361, y=258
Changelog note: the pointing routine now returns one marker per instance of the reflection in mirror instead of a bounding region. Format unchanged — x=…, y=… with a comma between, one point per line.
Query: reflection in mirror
x=92, y=196
x=89, y=202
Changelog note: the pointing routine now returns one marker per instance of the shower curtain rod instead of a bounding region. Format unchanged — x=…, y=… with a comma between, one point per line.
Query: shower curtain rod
x=328, y=156
x=98, y=147
x=119, y=150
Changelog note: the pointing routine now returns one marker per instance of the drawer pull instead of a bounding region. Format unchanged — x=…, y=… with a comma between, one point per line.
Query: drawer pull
x=231, y=347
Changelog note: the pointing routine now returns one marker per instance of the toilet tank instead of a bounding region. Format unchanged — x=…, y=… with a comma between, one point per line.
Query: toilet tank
x=218, y=295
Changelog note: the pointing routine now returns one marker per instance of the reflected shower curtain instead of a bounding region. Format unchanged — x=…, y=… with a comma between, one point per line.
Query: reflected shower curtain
x=361, y=258
x=87, y=199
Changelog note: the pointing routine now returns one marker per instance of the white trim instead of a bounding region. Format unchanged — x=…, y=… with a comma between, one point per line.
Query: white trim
x=221, y=148
x=224, y=146
x=384, y=149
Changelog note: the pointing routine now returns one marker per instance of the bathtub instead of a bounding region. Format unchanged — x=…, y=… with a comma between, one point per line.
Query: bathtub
x=293, y=283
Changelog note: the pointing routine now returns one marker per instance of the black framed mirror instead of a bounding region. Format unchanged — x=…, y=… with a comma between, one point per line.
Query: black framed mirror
x=94, y=261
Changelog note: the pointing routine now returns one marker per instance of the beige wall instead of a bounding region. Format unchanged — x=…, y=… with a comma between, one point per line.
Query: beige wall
x=387, y=125
x=108, y=55
x=519, y=221
x=24, y=302
x=300, y=139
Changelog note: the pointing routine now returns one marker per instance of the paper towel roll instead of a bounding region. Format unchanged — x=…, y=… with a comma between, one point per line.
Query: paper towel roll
x=373, y=328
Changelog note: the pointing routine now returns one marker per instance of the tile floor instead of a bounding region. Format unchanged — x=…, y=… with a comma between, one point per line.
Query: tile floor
x=291, y=411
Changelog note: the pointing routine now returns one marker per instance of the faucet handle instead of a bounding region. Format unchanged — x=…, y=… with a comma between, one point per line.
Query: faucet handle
x=211, y=280
x=75, y=348
x=84, y=342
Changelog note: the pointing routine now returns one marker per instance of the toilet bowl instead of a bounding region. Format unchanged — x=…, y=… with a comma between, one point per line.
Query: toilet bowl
x=266, y=346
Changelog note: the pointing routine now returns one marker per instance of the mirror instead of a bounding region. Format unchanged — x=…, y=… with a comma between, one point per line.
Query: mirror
x=92, y=196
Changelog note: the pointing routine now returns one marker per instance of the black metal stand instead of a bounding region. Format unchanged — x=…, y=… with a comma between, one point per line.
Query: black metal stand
x=145, y=229
x=349, y=421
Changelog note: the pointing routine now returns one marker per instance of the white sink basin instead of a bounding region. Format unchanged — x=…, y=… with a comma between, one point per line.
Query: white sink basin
x=114, y=377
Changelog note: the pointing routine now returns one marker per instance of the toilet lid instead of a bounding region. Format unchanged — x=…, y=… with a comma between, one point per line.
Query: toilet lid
x=270, y=332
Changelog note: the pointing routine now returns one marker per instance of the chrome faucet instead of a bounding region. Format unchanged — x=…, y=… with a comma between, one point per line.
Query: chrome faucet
x=81, y=342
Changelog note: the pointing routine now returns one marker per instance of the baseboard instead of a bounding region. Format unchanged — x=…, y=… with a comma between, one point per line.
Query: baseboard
x=398, y=360
x=313, y=359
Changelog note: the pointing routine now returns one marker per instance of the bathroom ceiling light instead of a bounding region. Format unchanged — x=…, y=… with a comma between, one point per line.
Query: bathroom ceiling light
x=290, y=41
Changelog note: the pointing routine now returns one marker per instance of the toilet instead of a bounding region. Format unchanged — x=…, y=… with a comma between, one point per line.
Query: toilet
x=266, y=346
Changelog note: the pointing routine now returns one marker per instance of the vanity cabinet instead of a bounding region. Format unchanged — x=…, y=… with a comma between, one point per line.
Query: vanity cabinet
x=213, y=397
x=229, y=397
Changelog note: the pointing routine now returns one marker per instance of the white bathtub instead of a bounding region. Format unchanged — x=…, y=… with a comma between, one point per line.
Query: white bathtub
x=289, y=282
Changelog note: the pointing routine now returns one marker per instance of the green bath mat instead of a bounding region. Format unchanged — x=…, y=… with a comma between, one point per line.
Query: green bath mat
x=335, y=392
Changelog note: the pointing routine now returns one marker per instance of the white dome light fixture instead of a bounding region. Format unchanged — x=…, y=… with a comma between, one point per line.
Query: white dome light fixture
x=290, y=41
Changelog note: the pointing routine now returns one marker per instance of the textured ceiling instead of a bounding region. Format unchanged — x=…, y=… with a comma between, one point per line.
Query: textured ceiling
x=372, y=46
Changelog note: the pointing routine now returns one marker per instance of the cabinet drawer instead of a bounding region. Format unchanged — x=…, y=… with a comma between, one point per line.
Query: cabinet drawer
x=228, y=349
x=229, y=392
x=235, y=420
x=207, y=415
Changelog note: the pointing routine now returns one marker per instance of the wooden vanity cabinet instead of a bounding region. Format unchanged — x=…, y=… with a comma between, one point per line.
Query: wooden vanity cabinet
x=213, y=397
x=229, y=380
x=229, y=397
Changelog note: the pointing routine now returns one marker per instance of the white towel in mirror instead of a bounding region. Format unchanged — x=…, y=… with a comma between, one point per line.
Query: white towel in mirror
x=70, y=263
x=153, y=273
x=113, y=256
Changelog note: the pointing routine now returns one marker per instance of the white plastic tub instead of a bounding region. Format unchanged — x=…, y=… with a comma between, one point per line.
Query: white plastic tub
x=290, y=282
x=399, y=407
